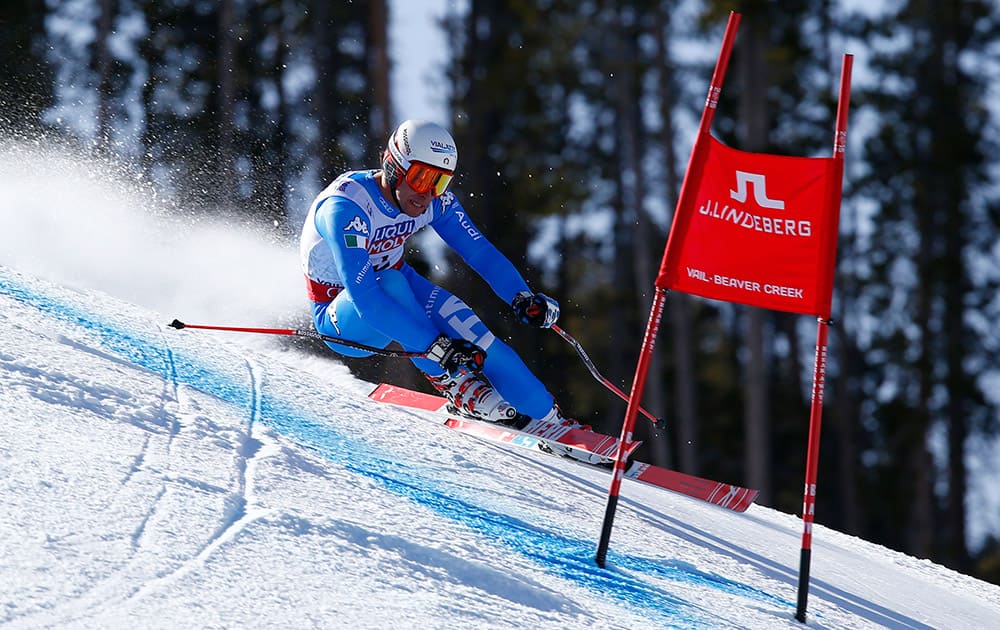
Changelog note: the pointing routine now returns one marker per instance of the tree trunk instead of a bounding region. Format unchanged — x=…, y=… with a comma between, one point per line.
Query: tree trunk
x=102, y=68
x=954, y=284
x=643, y=271
x=225, y=164
x=26, y=81
x=327, y=60
x=920, y=462
x=379, y=68
x=683, y=413
x=753, y=113
x=845, y=403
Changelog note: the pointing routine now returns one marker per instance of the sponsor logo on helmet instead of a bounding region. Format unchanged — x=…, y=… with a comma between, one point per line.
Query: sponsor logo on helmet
x=442, y=147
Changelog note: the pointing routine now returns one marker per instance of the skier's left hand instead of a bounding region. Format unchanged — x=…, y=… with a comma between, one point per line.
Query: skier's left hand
x=457, y=354
x=536, y=309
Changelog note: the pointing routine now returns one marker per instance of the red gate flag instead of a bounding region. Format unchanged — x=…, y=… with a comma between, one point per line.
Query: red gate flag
x=756, y=229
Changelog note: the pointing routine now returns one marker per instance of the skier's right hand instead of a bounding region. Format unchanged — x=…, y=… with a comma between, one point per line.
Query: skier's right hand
x=536, y=309
x=455, y=354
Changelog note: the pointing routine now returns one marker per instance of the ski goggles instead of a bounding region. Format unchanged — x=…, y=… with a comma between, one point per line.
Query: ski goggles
x=424, y=178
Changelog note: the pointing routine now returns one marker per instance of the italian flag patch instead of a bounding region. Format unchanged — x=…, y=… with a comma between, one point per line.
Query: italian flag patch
x=355, y=240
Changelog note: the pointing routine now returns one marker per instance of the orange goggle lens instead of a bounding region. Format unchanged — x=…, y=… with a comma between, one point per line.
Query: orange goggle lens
x=423, y=178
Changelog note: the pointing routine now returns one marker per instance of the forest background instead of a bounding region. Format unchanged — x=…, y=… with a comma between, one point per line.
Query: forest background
x=574, y=121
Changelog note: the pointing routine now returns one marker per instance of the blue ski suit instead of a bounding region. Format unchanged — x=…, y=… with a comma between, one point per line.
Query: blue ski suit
x=351, y=249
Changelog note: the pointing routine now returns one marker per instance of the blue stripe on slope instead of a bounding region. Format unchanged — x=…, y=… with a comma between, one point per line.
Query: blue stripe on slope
x=567, y=558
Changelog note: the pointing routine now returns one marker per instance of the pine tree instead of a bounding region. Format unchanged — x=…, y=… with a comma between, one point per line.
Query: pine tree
x=928, y=173
x=26, y=88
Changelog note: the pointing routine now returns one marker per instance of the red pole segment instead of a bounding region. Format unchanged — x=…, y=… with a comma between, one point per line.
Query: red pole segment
x=638, y=384
x=719, y=74
x=266, y=331
x=819, y=368
x=812, y=465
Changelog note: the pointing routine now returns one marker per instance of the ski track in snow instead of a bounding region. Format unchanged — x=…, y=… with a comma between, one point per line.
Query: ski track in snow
x=155, y=453
x=568, y=558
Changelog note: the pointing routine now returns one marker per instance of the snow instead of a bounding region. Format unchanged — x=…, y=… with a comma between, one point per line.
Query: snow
x=158, y=478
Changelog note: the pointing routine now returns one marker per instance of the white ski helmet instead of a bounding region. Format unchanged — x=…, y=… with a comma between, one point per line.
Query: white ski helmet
x=421, y=153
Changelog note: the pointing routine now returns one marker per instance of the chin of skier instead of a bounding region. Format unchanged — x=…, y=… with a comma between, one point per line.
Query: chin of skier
x=352, y=246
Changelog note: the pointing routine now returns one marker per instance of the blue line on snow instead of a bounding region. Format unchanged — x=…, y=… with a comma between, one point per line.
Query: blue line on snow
x=568, y=558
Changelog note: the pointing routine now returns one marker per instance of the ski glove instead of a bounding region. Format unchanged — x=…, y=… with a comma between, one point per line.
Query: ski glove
x=536, y=309
x=457, y=354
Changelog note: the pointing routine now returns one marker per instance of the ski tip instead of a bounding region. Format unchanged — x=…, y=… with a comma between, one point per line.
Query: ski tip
x=178, y=324
x=380, y=391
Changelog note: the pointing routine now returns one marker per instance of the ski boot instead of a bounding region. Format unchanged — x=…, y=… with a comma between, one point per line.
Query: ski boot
x=472, y=396
x=555, y=448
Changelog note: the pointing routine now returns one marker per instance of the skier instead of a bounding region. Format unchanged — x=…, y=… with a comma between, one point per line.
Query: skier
x=362, y=290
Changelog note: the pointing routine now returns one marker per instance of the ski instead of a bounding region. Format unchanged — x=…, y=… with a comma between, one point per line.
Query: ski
x=604, y=446
x=723, y=495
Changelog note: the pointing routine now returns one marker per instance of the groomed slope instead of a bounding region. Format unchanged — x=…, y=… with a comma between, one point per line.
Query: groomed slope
x=178, y=478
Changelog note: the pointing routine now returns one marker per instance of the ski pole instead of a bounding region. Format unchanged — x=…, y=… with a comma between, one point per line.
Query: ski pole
x=659, y=423
x=305, y=333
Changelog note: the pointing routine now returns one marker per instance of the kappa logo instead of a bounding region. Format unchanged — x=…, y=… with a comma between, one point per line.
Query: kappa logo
x=758, y=182
x=357, y=225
